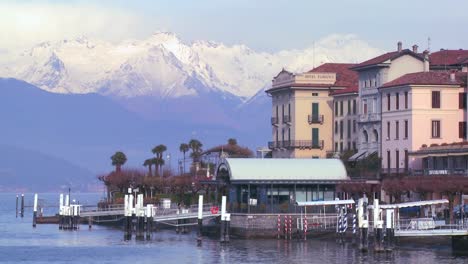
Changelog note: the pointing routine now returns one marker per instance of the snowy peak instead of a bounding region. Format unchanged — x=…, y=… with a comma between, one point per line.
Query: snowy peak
x=165, y=66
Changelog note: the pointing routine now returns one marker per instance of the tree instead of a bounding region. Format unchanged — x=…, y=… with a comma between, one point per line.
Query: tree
x=184, y=148
x=196, y=147
x=118, y=159
x=232, y=141
x=159, y=151
x=149, y=163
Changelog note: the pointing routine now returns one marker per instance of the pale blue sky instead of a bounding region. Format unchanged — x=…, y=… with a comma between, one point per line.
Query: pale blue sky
x=261, y=25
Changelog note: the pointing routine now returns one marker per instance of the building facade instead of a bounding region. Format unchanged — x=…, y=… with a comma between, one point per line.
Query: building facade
x=419, y=109
x=345, y=118
x=302, y=111
x=373, y=74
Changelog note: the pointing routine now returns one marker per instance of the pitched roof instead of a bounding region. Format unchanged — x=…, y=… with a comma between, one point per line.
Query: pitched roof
x=426, y=78
x=345, y=77
x=448, y=57
x=385, y=57
x=349, y=90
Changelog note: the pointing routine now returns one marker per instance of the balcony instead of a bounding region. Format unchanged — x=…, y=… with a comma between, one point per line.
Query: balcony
x=286, y=119
x=315, y=119
x=300, y=144
x=374, y=117
x=274, y=121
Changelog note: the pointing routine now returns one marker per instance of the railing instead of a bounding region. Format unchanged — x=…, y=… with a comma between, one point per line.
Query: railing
x=373, y=117
x=286, y=119
x=315, y=119
x=309, y=144
x=274, y=121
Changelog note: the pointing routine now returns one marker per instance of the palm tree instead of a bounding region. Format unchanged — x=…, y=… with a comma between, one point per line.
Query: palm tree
x=196, y=147
x=159, y=151
x=149, y=163
x=184, y=148
x=118, y=159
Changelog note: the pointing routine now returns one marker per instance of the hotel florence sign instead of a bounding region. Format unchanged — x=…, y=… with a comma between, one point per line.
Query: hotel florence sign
x=286, y=78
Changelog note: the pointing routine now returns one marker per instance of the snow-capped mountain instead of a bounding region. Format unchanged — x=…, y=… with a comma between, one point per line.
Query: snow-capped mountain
x=164, y=66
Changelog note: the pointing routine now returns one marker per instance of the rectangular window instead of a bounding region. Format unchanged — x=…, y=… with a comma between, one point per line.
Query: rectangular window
x=315, y=111
x=348, y=128
x=341, y=146
x=462, y=129
x=397, y=159
x=397, y=101
x=388, y=102
x=436, y=128
x=341, y=108
x=341, y=129
x=462, y=100
x=354, y=146
x=406, y=128
x=406, y=160
x=397, y=128
x=289, y=110
x=277, y=112
x=336, y=108
x=314, y=94
x=435, y=99
x=336, y=127
x=406, y=100
x=282, y=134
x=364, y=107
x=336, y=146
x=349, y=145
x=349, y=107
x=289, y=134
x=277, y=135
x=388, y=130
x=354, y=126
x=282, y=111
x=388, y=160
x=315, y=137
x=354, y=106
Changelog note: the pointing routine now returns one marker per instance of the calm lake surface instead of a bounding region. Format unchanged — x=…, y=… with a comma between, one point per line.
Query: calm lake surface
x=19, y=242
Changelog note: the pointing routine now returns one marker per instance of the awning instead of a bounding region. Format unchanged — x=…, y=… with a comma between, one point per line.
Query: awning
x=358, y=155
x=413, y=204
x=331, y=202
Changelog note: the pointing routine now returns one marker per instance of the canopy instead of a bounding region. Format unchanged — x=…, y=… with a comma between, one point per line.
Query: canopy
x=332, y=202
x=283, y=169
x=413, y=204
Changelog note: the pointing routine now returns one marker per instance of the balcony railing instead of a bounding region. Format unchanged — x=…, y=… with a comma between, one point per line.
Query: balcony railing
x=315, y=119
x=439, y=172
x=274, y=121
x=286, y=119
x=301, y=144
x=374, y=117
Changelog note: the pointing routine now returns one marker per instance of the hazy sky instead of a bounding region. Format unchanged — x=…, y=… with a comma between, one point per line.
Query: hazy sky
x=261, y=25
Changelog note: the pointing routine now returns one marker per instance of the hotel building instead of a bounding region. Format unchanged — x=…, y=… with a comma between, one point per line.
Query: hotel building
x=302, y=111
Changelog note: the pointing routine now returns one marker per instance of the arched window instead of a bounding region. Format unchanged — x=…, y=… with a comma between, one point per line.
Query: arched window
x=366, y=137
x=376, y=135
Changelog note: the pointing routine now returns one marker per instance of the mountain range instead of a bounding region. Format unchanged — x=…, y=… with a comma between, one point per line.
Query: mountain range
x=80, y=100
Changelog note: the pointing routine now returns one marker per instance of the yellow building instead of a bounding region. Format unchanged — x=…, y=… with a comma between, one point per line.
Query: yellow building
x=302, y=110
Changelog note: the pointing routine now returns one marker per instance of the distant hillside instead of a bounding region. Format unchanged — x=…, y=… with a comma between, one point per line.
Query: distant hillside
x=34, y=171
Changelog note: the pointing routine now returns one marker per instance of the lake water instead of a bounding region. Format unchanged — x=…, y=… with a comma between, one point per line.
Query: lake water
x=20, y=242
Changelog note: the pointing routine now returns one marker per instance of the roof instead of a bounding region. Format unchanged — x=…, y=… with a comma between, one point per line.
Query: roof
x=268, y=170
x=426, y=78
x=386, y=57
x=349, y=90
x=448, y=57
x=413, y=204
x=345, y=77
x=323, y=203
x=454, y=149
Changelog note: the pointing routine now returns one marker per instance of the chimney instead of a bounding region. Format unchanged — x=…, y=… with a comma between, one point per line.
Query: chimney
x=426, y=60
x=452, y=76
x=415, y=48
x=399, y=46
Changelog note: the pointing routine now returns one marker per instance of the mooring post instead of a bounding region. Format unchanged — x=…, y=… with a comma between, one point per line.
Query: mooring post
x=22, y=205
x=354, y=224
x=90, y=222
x=67, y=212
x=378, y=224
x=61, y=212
x=200, y=218
x=363, y=224
x=228, y=226
x=35, y=210
x=149, y=220
x=305, y=225
x=223, y=220
x=290, y=227
x=390, y=228
x=278, y=224
x=16, y=206
x=127, y=220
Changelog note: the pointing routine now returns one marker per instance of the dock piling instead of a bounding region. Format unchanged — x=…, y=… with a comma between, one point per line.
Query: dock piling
x=200, y=218
x=16, y=206
x=35, y=211
x=22, y=205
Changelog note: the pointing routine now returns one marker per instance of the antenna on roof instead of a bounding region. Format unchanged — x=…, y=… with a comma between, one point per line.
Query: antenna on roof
x=429, y=44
